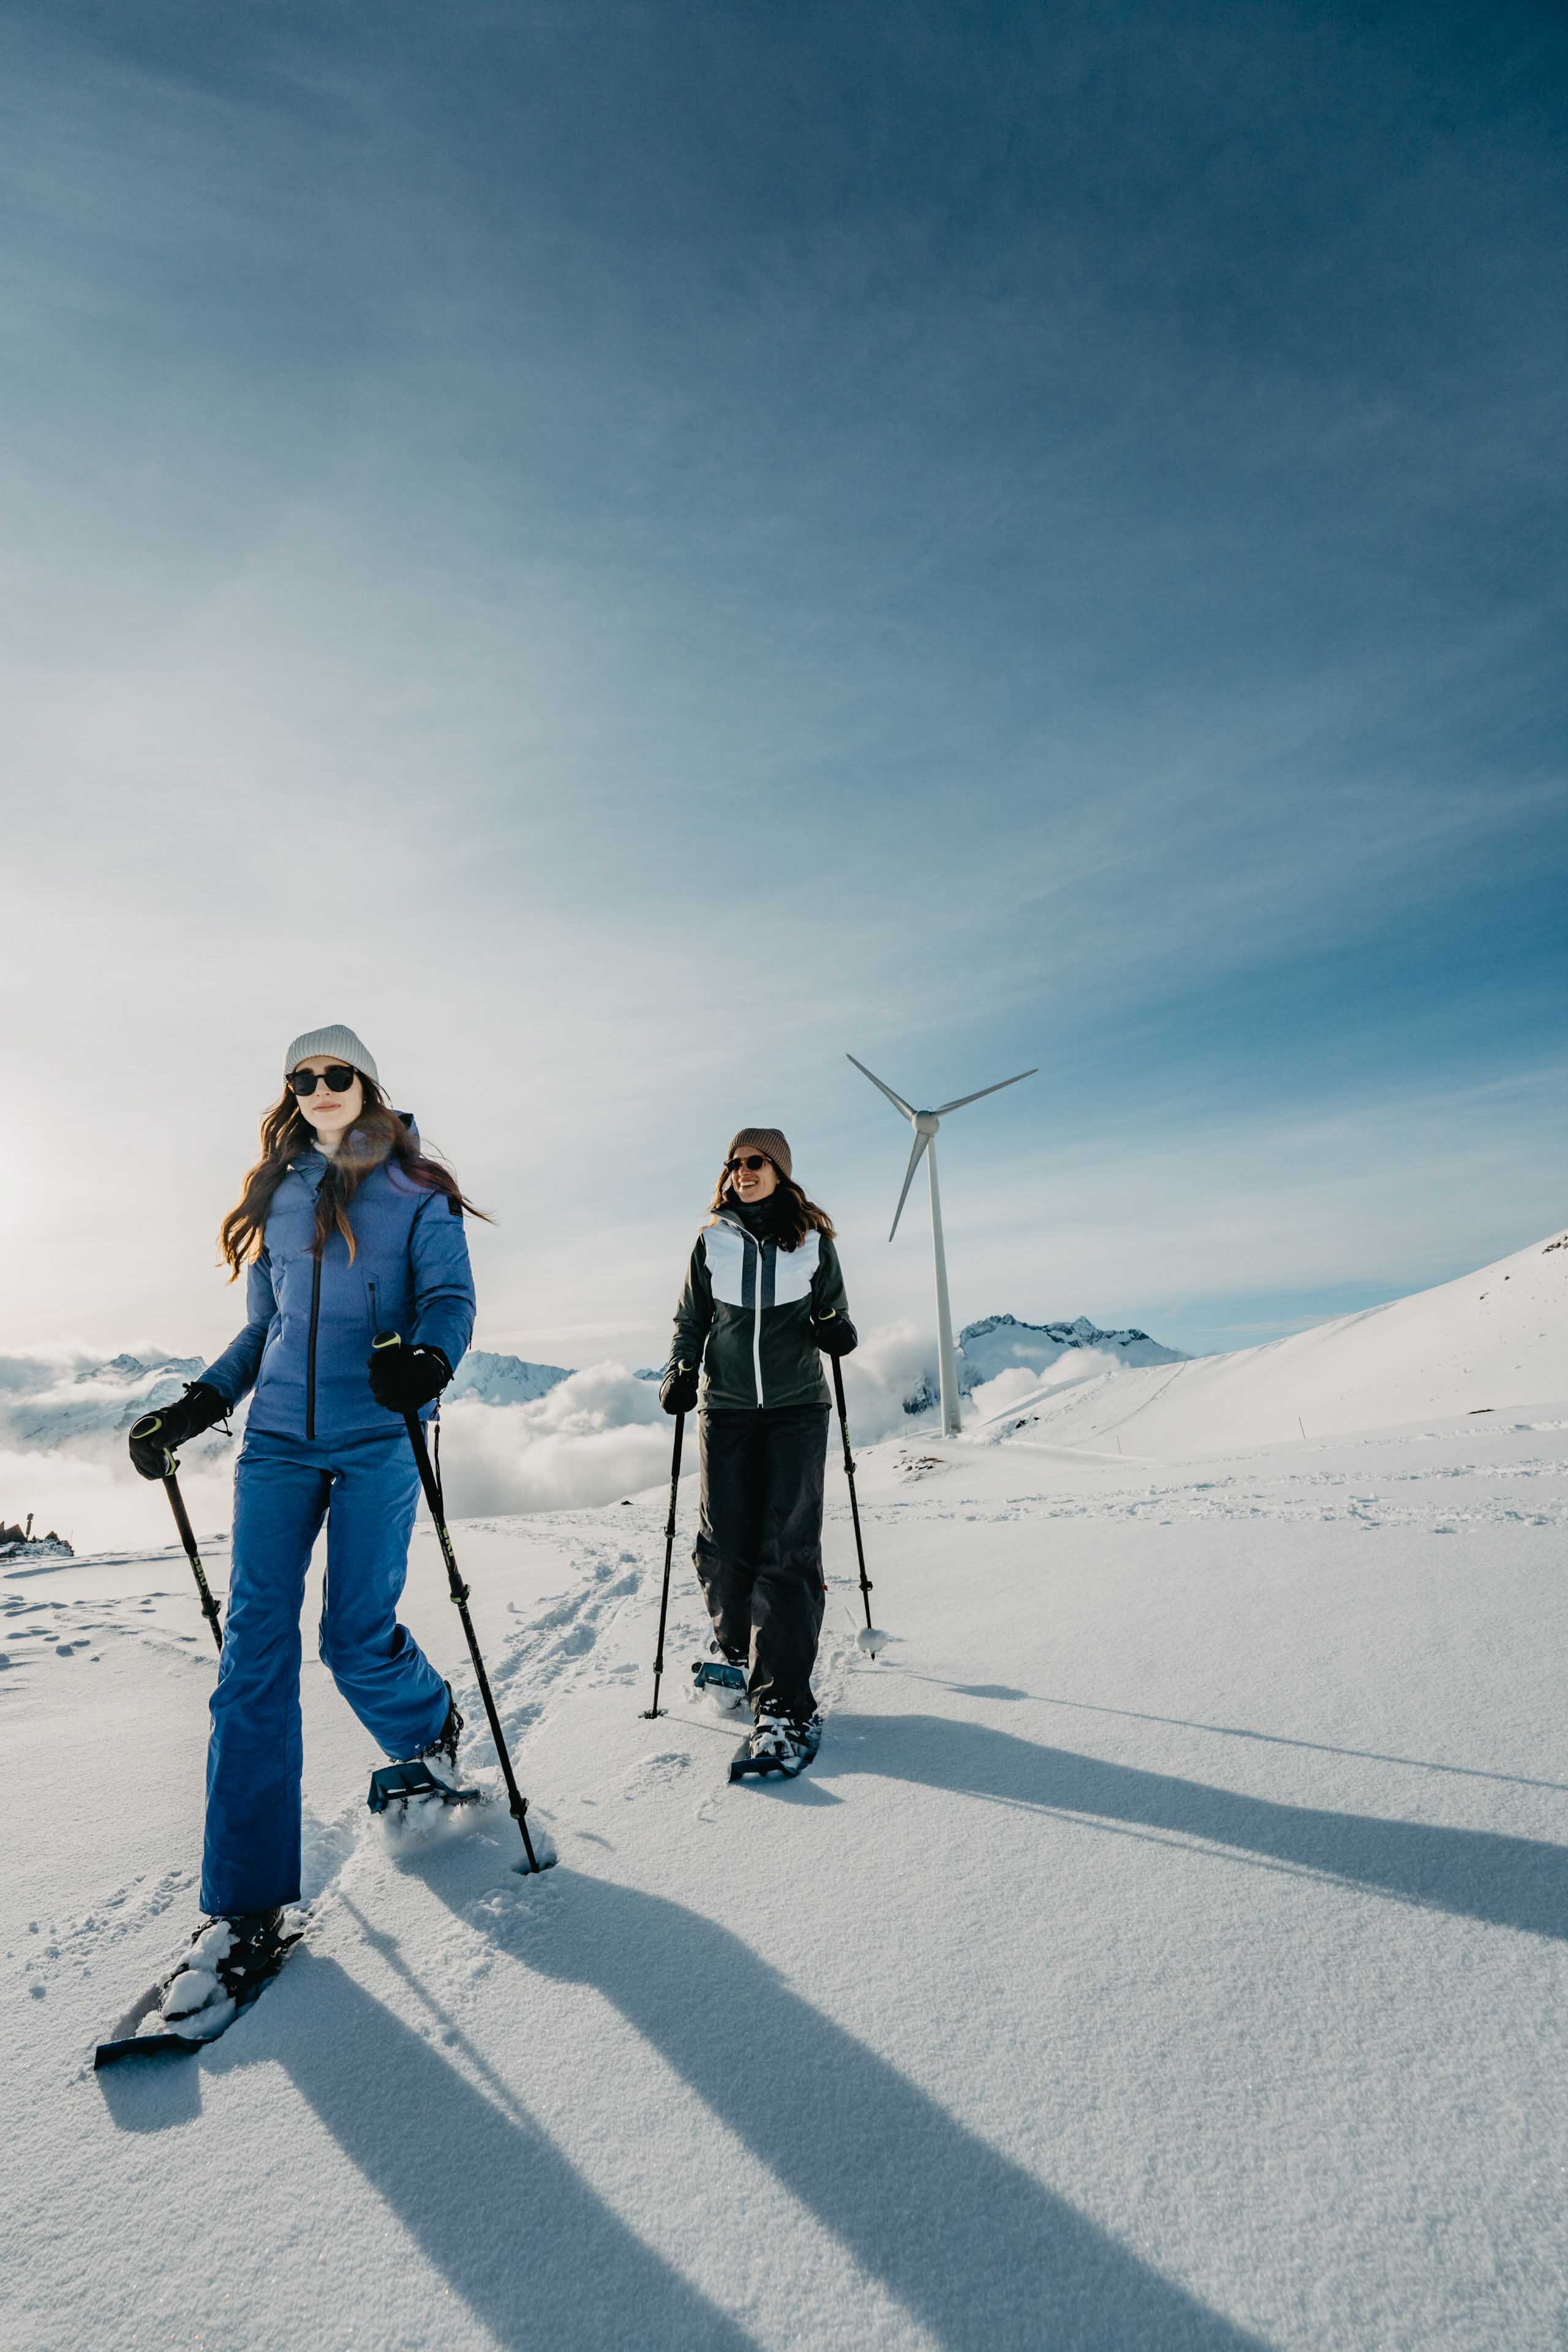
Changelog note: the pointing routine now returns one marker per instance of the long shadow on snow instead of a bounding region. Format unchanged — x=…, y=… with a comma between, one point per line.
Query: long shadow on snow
x=1508, y=1882
x=987, y=2259
x=1235, y=1731
x=536, y=2255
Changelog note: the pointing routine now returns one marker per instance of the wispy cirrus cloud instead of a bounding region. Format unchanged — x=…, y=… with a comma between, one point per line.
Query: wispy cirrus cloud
x=991, y=543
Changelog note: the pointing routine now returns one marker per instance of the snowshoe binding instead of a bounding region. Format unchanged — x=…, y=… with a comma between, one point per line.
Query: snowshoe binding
x=720, y=1679
x=229, y=1962
x=780, y=1745
x=415, y=1782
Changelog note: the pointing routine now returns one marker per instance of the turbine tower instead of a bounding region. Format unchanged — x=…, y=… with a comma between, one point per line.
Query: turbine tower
x=925, y=1124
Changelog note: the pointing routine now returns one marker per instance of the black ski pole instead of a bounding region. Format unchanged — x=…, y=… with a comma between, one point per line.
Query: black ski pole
x=148, y=1426
x=649, y=1713
x=870, y=1638
x=517, y=1801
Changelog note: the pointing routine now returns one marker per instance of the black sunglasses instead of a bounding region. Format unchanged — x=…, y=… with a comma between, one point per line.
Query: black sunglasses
x=337, y=1079
x=753, y=1160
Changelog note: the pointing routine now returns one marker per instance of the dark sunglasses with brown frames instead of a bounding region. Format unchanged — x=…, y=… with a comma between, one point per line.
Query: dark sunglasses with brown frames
x=337, y=1081
x=751, y=1161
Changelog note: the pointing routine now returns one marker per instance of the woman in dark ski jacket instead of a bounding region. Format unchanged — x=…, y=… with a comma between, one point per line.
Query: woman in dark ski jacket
x=764, y=1294
x=345, y=1229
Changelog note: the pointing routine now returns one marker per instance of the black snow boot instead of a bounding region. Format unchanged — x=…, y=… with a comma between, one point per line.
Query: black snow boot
x=256, y=1944
x=785, y=1739
x=720, y=1677
x=445, y=1744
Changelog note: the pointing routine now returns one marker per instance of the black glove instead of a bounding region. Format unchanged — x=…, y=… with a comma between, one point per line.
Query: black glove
x=159, y=1435
x=834, y=1334
x=678, y=1390
x=403, y=1378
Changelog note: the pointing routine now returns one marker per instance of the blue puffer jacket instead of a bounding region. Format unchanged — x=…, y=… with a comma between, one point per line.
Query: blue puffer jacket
x=311, y=1320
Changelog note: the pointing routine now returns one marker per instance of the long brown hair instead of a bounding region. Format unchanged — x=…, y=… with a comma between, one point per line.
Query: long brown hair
x=377, y=1134
x=797, y=1215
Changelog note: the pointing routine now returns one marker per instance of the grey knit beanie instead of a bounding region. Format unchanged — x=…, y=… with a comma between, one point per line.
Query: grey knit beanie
x=338, y=1040
x=763, y=1138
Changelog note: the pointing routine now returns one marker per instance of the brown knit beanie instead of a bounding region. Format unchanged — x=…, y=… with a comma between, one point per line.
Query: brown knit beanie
x=762, y=1138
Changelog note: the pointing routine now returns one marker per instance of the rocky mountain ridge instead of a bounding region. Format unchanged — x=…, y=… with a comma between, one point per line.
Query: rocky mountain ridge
x=1002, y=1343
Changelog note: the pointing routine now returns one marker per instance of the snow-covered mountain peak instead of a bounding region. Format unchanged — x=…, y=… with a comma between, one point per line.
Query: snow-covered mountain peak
x=492, y=1379
x=126, y=1369
x=1005, y=1343
x=1002, y=1343
x=1079, y=1333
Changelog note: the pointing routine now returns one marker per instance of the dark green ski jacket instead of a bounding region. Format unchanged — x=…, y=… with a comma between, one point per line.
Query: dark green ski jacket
x=746, y=1312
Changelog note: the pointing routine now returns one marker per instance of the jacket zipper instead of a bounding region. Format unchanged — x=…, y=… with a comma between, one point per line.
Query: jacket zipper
x=311, y=1349
x=757, y=1327
x=735, y=1226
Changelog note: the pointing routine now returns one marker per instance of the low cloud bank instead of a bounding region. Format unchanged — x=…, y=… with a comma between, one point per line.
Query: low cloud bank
x=101, y=1504
x=599, y=1434
x=603, y=1434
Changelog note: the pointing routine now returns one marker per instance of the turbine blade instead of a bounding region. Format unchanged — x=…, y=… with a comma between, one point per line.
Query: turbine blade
x=942, y=1108
x=875, y=1081
x=915, y=1158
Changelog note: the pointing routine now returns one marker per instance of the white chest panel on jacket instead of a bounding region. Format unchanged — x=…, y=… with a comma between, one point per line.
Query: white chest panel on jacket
x=727, y=1250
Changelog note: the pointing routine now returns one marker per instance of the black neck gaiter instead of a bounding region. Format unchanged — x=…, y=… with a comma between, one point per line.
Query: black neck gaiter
x=761, y=1217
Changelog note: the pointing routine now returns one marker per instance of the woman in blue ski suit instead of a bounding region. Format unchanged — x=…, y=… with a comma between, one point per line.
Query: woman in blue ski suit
x=346, y=1230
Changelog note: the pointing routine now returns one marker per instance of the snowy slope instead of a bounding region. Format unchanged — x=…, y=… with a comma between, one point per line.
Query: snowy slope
x=1168, y=1949
x=1492, y=1341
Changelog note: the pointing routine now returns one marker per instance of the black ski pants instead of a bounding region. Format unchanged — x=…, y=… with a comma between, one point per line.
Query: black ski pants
x=759, y=1546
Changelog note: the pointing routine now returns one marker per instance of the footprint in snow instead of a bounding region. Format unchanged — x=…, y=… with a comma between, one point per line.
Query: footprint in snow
x=655, y=1771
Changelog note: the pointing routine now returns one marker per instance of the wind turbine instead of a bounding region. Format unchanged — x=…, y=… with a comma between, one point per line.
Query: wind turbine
x=925, y=1124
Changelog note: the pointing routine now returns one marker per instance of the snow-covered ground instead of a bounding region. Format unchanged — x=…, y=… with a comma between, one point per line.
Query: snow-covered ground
x=1166, y=1949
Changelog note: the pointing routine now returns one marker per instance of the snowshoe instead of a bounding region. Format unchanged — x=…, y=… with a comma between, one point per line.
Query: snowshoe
x=782, y=1744
x=231, y=1961
x=415, y=1781
x=720, y=1679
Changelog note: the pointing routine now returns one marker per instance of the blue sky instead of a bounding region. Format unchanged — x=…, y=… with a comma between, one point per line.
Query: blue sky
x=628, y=551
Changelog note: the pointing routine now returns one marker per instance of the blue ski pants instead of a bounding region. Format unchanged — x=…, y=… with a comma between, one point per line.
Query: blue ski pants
x=366, y=1489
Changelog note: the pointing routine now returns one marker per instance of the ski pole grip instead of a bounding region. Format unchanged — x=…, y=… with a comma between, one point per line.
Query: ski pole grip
x=148, y=1426
x=386, y=1339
